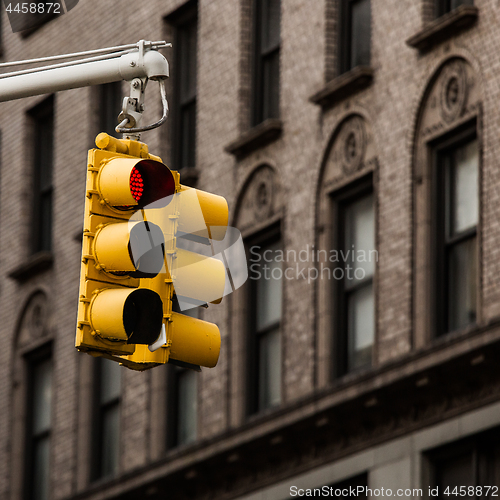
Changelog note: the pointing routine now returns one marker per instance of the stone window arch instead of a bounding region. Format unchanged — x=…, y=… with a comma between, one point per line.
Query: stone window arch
x=448, y=120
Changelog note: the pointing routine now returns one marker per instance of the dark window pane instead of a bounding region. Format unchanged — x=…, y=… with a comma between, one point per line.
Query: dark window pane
x=184, y=111
x=110, y=107
x=359, y=241
x=458, y=215
x=41, y=456
x=270, y=32
x=187, y=145
x=42, y=396
x=462, y=272
x=270, y=87
x=269, y=369
x=45, y=224
x=361, y=327
x=266, y=318
x=40, y=417
x=360, y=33
x=45, y=150
x=110, y=440
x=356, y=289
x=43, y=121
x=187, y=406
x=269, y=290
x=107, y=426
x=187, y=64
x=266, y=69
x=453, y=472
x=463, y=188
x=110, y=381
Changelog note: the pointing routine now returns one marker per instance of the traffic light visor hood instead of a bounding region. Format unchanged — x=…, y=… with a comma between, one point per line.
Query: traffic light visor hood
x=129, y=315
x=128, y=183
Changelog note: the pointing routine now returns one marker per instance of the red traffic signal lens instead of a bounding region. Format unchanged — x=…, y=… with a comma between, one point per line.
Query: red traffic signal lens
x=131, y=184
x=151, y=181
x=136, y=184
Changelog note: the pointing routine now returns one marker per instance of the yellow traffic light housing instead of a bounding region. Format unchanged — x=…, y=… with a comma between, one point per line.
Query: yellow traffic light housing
x=114, y=313
x=137, y=214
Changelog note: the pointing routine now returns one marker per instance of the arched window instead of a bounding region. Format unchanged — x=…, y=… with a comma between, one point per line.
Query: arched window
x=447, y=170
x=257, y=322
x=32, y=401
x=346, y=252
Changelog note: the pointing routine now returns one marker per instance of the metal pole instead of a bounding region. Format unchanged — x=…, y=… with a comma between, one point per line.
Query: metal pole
x=151, y=64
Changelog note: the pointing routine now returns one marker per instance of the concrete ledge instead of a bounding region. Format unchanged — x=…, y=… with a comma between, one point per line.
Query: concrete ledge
x=34, y=265
x=344, y=85
x=444, y=27
x=257, y=137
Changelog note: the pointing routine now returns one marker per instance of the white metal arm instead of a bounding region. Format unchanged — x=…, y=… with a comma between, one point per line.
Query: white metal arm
x=140, y=63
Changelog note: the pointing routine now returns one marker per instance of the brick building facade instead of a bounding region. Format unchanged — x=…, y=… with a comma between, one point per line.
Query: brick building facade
x=328, y=125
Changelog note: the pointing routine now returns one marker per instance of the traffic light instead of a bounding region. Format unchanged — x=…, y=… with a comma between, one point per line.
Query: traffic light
x=140, y=228
x=115, y=314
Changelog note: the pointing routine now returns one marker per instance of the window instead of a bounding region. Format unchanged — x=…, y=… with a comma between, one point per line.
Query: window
x=353, y=482
x=183, y=396
x=265, y=338
x=183, y=406
x=185, y=24
x=39, y=427
x=355, y=34
x=107, y=419
x=110, y=106
x=43, y=128
x=267, y=53
x=354, y=280
x=468, y=464
x=445, y=6
x=457, y=217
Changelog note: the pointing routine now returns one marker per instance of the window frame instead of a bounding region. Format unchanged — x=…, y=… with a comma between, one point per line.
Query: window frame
x=482, y=448
x=258, y=106
x=266, y=237
x=98, y=409
x=32, y=359
x=441, y=149
x=345, y=62
x=350, y=194
x=39, y=115
x=173, y=376
x=186, y=15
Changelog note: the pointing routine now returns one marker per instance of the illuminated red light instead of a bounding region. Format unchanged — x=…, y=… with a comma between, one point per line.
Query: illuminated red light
x=136, y=184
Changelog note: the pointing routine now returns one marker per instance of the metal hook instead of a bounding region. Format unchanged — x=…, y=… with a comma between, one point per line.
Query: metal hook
x=121, y=129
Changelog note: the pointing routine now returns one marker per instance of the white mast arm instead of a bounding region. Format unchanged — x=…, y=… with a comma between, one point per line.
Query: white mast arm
x=137, y=64
x=150, y=64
